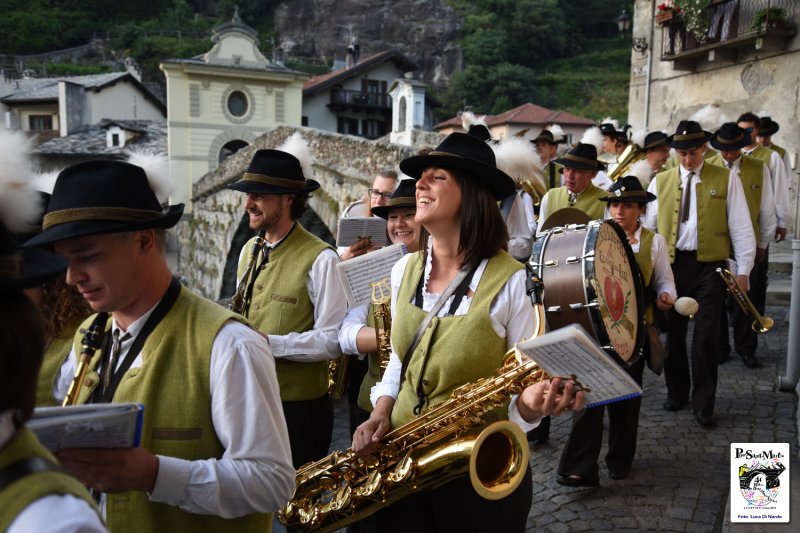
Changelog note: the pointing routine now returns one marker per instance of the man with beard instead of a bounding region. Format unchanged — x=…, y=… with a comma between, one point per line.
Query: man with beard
x=293, y=293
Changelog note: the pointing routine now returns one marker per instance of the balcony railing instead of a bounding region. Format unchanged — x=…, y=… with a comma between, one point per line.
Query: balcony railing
x=726, y=24
x=341, y=98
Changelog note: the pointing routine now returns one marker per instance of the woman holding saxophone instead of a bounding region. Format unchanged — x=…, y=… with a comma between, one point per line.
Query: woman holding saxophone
x=483, y=310
x=357, y=335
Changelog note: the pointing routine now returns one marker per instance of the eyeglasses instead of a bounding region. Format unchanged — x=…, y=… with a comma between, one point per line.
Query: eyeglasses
x=375, y=194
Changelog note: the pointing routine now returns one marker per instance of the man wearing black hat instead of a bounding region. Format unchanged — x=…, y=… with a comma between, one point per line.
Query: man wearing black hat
x=701, y=211
x=766, y=129
x=757, y=186
x=777, y=171
x=580, y=166
x=547, y=147
x=612, y=138
x=656, y=150
x=214, y=454
x=297, y=300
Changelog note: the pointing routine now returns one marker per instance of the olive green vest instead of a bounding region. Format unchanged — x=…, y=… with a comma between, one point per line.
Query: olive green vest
x=751, y=174
x=373, y=374
x=281, y=305
x=460, y=349
x=55, y=355
x=781, y=151
x=173, y=384
x=762, y=153
x=16, y=497
x=644, y=258
x=713, y=237
x=587, y=201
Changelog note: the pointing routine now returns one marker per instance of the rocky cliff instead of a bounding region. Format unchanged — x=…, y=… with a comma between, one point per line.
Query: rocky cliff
x=425, y=31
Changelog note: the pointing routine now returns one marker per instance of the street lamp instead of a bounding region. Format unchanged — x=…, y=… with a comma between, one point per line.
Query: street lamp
x=624, y=22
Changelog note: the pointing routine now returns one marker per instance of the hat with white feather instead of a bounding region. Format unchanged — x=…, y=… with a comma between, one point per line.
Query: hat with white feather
x=285, y=170
x=476, y=126
x=109, y=196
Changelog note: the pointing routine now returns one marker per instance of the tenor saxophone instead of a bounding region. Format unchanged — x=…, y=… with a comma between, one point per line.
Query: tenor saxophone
x=90, y=343
x=430, y=450
x=382, y=314
x=240, y=302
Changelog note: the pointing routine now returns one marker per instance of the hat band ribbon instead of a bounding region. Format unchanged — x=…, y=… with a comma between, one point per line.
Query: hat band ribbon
x=10, y=267
x=79, y=214
x=689, y=136
x=278, y=182
x=730, y=141
x=580, y=159
x=402, y=200
x=626, y=194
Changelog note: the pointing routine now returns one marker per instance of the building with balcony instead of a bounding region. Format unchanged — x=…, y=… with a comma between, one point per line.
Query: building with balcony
x=355, y=100
x=743, y=55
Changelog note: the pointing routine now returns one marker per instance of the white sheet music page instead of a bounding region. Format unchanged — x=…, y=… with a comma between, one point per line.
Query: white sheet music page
x=356, y=274
x=571, y=351
x=351, y=229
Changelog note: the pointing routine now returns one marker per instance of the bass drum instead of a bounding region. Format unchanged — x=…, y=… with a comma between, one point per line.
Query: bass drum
x=590, y=277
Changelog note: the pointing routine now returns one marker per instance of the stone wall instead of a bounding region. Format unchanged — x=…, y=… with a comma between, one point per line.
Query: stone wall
x=344, y=166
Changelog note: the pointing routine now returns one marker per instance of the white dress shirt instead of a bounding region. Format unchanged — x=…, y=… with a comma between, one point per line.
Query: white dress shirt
x=255, y=473
x=520, y=235
x=327, y=296
x=57, y=513
x=780, y=186
x=354, y=320
x=739, y=225
x=511, y=315
x=767, y=219
x=662, y=278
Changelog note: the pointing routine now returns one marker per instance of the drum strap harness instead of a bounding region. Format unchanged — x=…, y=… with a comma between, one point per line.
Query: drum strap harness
x=458, y=287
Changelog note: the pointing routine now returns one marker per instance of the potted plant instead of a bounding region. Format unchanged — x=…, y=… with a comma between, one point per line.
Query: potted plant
x=666, y=11
x=695, y=16
x=772, y=17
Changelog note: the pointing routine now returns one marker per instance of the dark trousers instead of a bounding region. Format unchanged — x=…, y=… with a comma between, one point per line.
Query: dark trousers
x=310, y=425
x=585, y=441
x=455, y=506
x=745, y=340
x=700, y=281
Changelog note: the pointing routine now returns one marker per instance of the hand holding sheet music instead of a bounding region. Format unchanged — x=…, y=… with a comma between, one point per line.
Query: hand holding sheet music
x=351, y=229
x=358, y=273
x=102, y=425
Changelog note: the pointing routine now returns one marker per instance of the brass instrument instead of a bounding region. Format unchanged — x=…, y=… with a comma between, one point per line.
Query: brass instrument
x=338, y=370
x=425, y=453
x=534, y=187
x=382, y=313
x=632, y=154
x=90, y=343
x=240, y=302
x=761, y=324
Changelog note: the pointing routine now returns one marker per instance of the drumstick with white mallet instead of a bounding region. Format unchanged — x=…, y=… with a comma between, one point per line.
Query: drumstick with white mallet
x=686, y=306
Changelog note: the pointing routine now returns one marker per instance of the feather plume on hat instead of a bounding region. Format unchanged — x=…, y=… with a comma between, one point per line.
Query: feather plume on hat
x=45, y=181
x=468, y=118
x=558, y=133
x=594, y=137
x=614, y=122
x=709, y=117
x=519, y=159
x=19, y=202
x=298, y=147
x=638, y=137
x=156, y=167
x=641, y=170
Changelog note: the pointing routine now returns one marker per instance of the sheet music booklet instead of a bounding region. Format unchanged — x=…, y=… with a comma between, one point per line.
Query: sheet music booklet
x=351, y=229
x=356, y=274
x=570, y=350
x=99, y=425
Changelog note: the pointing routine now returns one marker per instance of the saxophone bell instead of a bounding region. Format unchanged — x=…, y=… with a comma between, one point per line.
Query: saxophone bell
x=761, y=324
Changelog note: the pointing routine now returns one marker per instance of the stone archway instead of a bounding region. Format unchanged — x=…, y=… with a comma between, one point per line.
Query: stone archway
x=232, y=134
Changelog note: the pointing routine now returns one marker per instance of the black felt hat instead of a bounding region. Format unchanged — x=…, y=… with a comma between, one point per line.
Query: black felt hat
x=20, y=269
x=730, y=137
x=405, y=195
x=274, y=172
x=582, y=156
x=468, y=154
x=628, y=189
x=654, y=139
x=103, y=196
x=688, y=134
x=547, y=136
x=767, y=127
x=608, y=128
x=480, y=131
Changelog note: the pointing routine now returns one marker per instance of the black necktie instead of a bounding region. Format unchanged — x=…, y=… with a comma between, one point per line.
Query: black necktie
x=573, y=197
x=687, y=198
x=116, y=344
x=729, y=164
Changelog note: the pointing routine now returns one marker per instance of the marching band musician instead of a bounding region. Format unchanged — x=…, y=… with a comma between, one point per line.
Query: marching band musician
x=214, y=453
x=627, y=202
x=757, y=187
x=547, y=147
x=457, y=187
x=297, y=300
x=383, y=185
x=701, y=211
x=656, y=150
x=580, y=167
x=357, y=335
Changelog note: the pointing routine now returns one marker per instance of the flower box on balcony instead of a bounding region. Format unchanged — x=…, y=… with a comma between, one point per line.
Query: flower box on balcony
x=665, y=17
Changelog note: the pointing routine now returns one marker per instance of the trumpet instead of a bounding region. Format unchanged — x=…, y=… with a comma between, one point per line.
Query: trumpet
x=761, y=324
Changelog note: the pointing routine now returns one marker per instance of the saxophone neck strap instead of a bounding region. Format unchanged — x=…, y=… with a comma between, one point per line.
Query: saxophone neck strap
x=460, y=281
